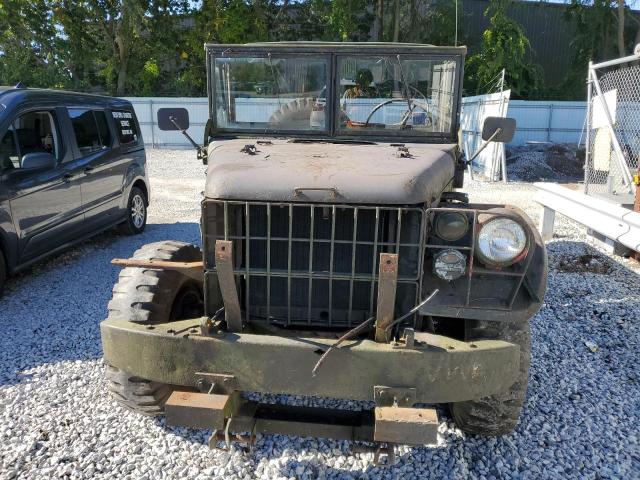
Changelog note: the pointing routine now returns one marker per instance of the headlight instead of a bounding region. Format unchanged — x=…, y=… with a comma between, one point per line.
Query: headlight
x=451, y=226
x=501, y=241
x=450, y=264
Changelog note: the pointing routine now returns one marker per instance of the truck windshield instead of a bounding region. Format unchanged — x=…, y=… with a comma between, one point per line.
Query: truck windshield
x=406, y=93
x=343, y=92
x=269, y=93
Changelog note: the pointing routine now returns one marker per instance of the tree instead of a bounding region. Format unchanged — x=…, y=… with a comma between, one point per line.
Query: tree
x=504, y=45
x=120, y=22
x=378, y=27
x=79, y=44
x=594, y=23
x=28, y=45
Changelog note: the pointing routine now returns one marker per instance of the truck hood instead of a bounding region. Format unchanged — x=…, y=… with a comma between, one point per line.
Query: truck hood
x=294, y=171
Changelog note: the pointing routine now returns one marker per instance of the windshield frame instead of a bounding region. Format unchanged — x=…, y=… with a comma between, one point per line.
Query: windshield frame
x=332, y=51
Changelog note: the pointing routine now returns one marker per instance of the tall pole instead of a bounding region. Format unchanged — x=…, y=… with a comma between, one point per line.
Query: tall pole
x=500, y=146
x=587, y=142
x=455, y=42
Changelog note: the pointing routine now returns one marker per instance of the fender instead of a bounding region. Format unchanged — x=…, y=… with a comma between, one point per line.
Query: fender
x=134, y=173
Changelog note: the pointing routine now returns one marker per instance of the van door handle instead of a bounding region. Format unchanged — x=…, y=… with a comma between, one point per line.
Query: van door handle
x=88, y=169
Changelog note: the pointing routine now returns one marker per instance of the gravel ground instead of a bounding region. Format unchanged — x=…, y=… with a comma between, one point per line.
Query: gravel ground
x=580, y=421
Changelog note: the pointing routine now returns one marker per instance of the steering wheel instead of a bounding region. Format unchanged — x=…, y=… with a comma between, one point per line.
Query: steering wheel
x=412, y=105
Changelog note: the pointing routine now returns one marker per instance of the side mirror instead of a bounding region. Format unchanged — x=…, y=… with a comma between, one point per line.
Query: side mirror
x=173, y=119
x=505, y=128
x=38, y=160
x=176, y=119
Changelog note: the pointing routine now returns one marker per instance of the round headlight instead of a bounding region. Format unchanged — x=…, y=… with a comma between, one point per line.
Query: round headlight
x=450, y=264
x=451, y=226
x=501, y=241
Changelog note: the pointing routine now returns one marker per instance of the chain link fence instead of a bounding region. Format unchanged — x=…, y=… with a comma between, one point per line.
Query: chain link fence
x=613, y=132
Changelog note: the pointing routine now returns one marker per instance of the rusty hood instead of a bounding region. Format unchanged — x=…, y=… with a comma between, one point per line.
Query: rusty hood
x=286, y=171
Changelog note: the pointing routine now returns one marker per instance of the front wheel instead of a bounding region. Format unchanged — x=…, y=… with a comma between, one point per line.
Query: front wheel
x=136, y=213
x=496, y=414
x=151, y=296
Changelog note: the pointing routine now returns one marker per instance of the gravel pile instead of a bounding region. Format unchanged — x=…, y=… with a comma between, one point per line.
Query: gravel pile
x=56, y=421
x=545, y=162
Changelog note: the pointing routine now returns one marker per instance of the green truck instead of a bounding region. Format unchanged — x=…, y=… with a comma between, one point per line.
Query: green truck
x=339, y=257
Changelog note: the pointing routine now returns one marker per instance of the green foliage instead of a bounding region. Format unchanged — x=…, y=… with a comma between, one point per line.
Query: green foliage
x=348, y=20
x=28, y=44
x=155, y=47
x=435, y=24
x=504, y=46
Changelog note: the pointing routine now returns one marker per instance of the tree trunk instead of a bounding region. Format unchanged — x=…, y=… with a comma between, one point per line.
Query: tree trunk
x=396, y=20
x=122, y=80
x=621, y=45
x=123, y=59
x=414, y=29
x=379, y=21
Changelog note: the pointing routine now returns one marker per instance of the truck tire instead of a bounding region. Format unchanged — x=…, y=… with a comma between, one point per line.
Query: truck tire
x=152, y=296
x=137, y=394
x=297, y=110
x=496, y=414
x=157, y=296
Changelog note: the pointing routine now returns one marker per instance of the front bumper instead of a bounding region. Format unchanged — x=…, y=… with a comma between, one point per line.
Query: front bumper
x=440, y=369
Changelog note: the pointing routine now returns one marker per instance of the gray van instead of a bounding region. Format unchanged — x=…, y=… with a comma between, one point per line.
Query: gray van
x=71, y=165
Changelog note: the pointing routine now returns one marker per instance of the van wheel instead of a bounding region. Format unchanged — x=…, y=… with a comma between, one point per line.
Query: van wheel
x=136, y=213
x=496, y=414
x=152, y=296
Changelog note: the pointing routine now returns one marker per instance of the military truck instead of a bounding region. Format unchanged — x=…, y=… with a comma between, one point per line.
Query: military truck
x=339, y=258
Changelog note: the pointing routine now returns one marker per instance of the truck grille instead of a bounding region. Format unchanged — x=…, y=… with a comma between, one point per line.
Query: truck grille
x=313, y=264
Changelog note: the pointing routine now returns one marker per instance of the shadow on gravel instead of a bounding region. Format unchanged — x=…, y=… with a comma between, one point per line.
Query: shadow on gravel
x=51, y=312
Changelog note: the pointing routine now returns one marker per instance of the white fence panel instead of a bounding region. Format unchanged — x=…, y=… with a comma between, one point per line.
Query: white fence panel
x=146, y=109
x=545, y=121
x=539, y=121
x=474, y=111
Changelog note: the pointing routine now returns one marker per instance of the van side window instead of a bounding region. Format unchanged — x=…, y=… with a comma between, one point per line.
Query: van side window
x=9, y=156
x=35, y=133
x=91, y=130
x=126, y=127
